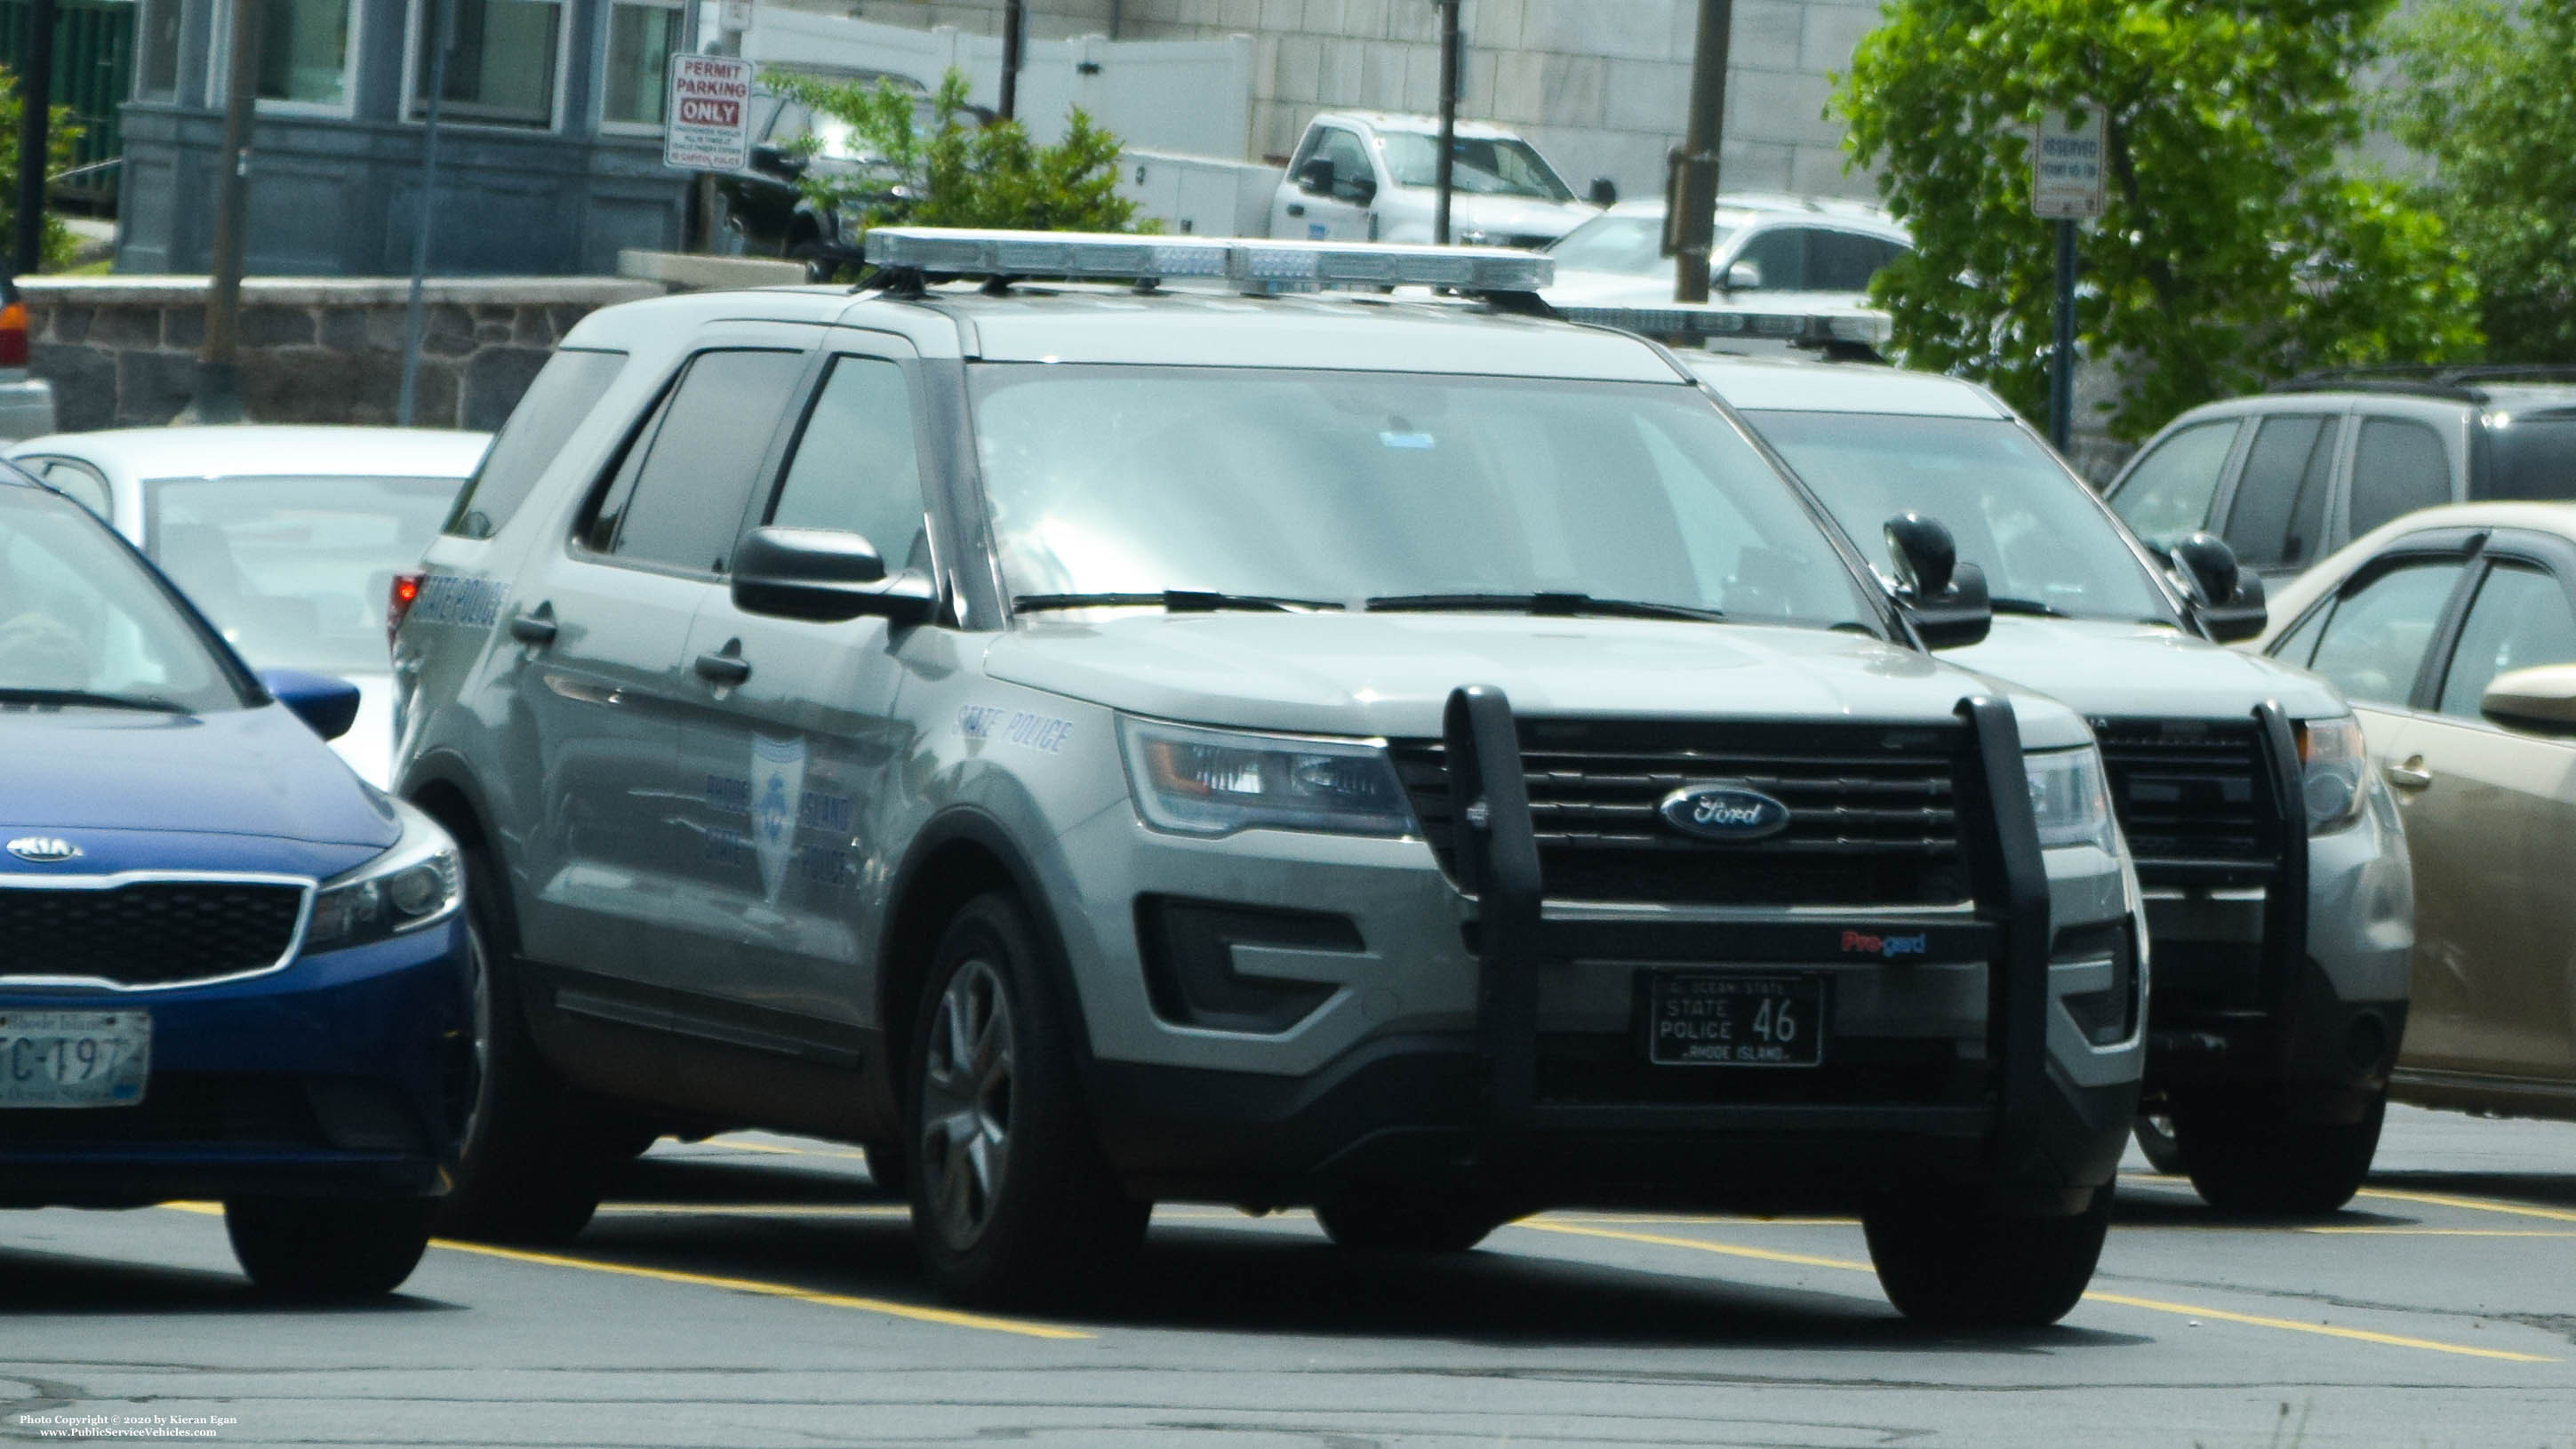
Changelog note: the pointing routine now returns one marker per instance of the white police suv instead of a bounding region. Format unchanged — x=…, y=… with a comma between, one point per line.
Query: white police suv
x=1168, y=731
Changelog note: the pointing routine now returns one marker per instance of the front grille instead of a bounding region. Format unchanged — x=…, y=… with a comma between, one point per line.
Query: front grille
x=1872, y=815
x=177, y=1107
x=2193, y=798
x=150, y=933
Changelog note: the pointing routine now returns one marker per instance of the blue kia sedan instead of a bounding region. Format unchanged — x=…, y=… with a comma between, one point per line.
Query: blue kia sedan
x=228, y=967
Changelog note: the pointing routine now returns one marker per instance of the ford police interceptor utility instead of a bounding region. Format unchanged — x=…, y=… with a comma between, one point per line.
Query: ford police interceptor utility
x=1099, y=742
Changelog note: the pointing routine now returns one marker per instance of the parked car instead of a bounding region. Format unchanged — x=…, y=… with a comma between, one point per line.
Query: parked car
x=288, y=538
x=791, y=141
x=1370, y=176
x=2290, y=475
x=232, y=969
x=26, y=401
x=2276, y=877
x=2454, y=632
x=1402, y=757
x=1781, y=253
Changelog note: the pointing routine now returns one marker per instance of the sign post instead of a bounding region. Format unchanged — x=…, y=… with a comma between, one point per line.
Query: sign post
x=2066, y=186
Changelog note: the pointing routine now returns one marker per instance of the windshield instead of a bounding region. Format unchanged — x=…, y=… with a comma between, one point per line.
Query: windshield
x=1484, y=167
x=2535, y=456
x=295, y=571
x=1631, y=245
x=2015, y=511
x=81, y=621
x=1346, y=486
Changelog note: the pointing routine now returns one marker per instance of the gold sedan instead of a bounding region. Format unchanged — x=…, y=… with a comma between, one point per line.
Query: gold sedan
x=2453, y=631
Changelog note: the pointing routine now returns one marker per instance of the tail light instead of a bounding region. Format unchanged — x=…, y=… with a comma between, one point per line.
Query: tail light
x=398, y=601
x=13, y=335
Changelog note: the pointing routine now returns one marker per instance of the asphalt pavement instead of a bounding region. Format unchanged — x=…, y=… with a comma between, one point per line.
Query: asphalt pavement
x=755, y=1290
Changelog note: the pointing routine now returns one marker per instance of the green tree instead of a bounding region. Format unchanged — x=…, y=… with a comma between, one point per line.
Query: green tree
x=2234, y=250
x=952, y=172
x=2488, y=93
x=60, y=142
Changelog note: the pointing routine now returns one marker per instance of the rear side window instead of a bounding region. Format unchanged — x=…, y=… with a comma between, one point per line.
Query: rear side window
x=563, y=394
x=678, y=497
x=2535, y=457
x=2397, y=467
x=2166, y=497
x=2280, y=505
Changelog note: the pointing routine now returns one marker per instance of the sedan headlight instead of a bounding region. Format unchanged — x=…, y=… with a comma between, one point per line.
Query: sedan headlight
x=418, y=881
x=1216, y=782
x=2332, y=758
x=2068, y=795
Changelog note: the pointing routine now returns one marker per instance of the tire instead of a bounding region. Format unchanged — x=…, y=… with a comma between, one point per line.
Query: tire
x=1958, y=1264
x=528, y=1171
x=2157, y=1143
x=1012, y=1201
x=809, y=253
x=328, y=1247
x=1423, y=1220
x=2253, y=1161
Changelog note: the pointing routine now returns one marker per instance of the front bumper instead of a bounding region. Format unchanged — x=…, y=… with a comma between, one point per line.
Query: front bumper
x=340, y=1075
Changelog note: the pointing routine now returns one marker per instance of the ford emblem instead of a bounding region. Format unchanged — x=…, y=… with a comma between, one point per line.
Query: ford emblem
x=42, y=849
x=1724, y=812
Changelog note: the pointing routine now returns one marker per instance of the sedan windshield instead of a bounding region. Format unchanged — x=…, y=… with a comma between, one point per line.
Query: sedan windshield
x=2016, y=512
x=1407, y=489
x=1483, y=167
x=1630, y=245
x=295, y=571
x=83, y=625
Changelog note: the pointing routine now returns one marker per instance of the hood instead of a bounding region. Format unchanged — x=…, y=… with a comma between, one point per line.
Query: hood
x=1390, y=674
x=258, y=773
x=1505, y=217
x=2109, y=670
x=1576, y=288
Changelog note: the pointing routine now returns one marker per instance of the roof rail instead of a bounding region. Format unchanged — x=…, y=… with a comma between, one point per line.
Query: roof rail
x=2427, y=379
x=918, y=252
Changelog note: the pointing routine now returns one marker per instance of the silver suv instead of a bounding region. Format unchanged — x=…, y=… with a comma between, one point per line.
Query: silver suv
x=2280, y=897
x=1095, y=743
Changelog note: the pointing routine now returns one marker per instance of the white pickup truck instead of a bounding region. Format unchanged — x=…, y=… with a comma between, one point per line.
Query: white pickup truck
x=1368, y=176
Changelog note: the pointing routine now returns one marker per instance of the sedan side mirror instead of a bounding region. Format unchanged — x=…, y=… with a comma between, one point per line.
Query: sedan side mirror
x=1943, y=599
x=826, y=575
x=2540, y=700
x=329, y=705
x=1605, y=192
x=2226, y=601
x=1744, y=277
x=1315, y=178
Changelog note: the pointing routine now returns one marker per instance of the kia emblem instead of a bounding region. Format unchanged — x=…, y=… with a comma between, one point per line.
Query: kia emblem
x=43, y=849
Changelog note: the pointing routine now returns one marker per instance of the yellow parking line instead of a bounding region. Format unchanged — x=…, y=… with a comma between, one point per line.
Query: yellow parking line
x=888, y=1307
x=773, y=1210
x=2156, y=1305
x=2445, y=1232
x=2472, y=1204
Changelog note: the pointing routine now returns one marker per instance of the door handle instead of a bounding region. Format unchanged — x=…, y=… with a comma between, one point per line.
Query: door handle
x=2408, y=776
x=726, y=669
x=1296, y=208
x=536, y=627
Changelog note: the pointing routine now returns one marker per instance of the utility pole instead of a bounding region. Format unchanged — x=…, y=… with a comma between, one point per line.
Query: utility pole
x=35, y=131
x=442, y=31
x=1690, y=218
x=1015, y=20
x=218, y=368
x=1445, y=175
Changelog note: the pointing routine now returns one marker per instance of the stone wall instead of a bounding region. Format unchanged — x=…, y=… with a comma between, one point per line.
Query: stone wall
x=122, y=351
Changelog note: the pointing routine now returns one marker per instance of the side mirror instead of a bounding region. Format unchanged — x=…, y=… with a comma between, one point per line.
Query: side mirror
x=1943, y=599
x=1316, y=177
x=824, y=575
x=2541, y=700
x=2226, y=601
x=329, y=705
x=768, y=157
x=1605, y=192
x=1744, y=277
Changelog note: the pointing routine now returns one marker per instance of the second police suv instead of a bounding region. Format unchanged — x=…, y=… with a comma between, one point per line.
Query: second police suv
x=1098, y=742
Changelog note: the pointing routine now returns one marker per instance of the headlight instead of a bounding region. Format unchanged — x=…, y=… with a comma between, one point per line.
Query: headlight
x=1216, y=782
x=416, y=882
x=2068, y=796
x=2332, y=759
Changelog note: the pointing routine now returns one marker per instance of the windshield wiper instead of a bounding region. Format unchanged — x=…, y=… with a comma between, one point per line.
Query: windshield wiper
x=1560, y=605
x=1178, y=601
x=151, y=702
x=2009, y=605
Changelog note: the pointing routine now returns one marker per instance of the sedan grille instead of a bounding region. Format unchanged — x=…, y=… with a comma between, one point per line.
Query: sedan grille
x=2193, y=797
x=1872, y=819
x=149, y=933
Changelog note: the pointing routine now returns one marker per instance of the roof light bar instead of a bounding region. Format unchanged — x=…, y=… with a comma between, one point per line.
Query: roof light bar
x=1261, y=264
x=1695, y=325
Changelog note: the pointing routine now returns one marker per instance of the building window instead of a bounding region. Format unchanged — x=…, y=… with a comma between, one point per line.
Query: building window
x=157, y=72
x=634, y=85
x=503, y=61
x=304, y=52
